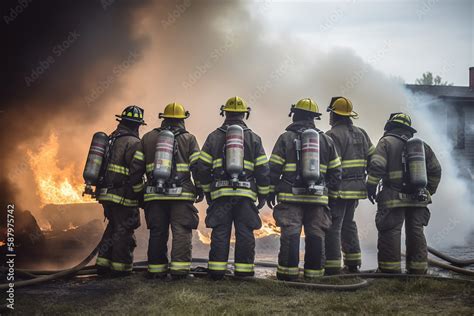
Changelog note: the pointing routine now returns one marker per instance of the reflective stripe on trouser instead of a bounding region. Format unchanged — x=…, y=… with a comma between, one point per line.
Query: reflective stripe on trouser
x=311, y=273
x=158, y=268
x=342, y=234
x=291, y=218
x=389, y=223
x=289, y=271
x=180, y=267
x=220, y=216
x=180, y=215
x=418, y=266
x=118, y=242
x=102, y=262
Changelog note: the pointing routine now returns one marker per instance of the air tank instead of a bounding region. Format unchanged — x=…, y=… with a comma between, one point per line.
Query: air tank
x=416, y=161
x=310, y=157
x=94, y=161
x=163, y=159
x=234, y=152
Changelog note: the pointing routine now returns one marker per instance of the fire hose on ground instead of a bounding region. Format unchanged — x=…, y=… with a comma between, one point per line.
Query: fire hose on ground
x=42, y=276
x=453, y=261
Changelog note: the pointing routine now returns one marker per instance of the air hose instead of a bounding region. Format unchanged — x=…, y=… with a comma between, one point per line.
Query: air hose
x=452, y=260
x=57, y=275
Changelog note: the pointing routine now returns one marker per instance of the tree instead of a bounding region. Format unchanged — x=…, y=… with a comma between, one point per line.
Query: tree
x=427, y=79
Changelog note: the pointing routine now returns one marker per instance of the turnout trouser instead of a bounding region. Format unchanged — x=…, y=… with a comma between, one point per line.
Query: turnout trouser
x=343, y=232
x=182, y=216
x=220, y=215
x=118, y=242
x=291, y=218
x=389, y=223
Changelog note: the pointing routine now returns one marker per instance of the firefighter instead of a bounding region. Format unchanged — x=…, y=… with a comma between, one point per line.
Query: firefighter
x=410, y=174
x=119, y=193
x=233, y=170
x=301, y=204
x=355, y=148
x=173, y=204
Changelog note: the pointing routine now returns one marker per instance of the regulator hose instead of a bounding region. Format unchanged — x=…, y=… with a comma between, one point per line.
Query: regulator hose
x=54, y=276
x=455, y=261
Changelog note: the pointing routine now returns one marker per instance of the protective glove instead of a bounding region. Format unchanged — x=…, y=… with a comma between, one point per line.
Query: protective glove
x=271, y=200
x=261, y=202
x=208, y=198
x=372, y=192
x=199, y=195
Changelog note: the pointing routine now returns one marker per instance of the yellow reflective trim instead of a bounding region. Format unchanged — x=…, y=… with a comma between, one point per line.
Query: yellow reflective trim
x=290, y=197
x=244, y=267
x=371, y=150
x=380, y=160
x=403, y=203
x=336, y=162
x=206, y=187
x=373, y=180
x=289, y=167
x=182, y=167
x=261, y=160
x=277, y=159
x=323, y=168
x=417, y=265
x=396, y=265
x=118, y=169
x=217, y=163
x=217, y=265
x=352, y=194
x=204, y=156
x=354, y=163
x=288, y=270
x=194, y=157
x=149, y=167
x=395, y=175
x=248, y=165
x=158, y=268
x=352, y=256
x=180, y=266
x=118, y=266
x=272, y=188
x=139, y=155
x=138, y=187
x=333, y=263
x=103, y=262
x=117, y=199
x=231, y=192
x=311, y=273
x=185, y=196
x=263, y=190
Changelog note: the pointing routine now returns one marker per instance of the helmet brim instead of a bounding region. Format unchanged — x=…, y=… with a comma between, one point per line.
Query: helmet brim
x=119, y=117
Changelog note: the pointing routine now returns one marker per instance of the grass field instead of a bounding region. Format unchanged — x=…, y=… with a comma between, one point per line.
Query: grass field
x=136, y=295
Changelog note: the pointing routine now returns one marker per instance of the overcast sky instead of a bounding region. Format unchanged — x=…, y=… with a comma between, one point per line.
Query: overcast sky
x=425, y=35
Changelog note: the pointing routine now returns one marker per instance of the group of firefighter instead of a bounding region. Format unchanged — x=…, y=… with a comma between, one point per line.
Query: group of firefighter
x=312, y=180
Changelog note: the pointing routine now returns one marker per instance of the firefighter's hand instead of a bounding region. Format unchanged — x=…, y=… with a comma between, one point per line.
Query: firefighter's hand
x=271, y=200
x=261, y=202
x=371, y=192
x=199, y=195
x=208, y=198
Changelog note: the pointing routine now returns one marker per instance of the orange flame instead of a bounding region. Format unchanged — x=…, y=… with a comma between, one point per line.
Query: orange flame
x=55, y=185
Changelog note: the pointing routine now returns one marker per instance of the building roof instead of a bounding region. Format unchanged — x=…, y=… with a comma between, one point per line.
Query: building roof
x=444, y=92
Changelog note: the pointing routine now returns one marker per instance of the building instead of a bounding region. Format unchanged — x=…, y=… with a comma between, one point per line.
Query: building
x=456, y=104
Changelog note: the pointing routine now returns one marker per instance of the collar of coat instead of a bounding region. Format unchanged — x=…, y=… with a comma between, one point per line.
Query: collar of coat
x=400, y=132
x=298, y=126
x=173, y=124
x=123, y=129
x=234, y=122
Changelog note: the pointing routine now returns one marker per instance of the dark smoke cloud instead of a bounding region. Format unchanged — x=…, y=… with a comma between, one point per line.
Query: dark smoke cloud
x=53, y=53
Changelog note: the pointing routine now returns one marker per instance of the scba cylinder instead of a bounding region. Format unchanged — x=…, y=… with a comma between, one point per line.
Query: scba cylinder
x=416, y=161
x=234, y=151
x=163, y=158
x=310, y=157
x=95, y=158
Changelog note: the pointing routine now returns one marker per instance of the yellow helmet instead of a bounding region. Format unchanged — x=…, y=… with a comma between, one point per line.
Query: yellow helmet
x=306, y=104
x=342, y=106
x=400, y=119
x=174, y=110
x=235, y=104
